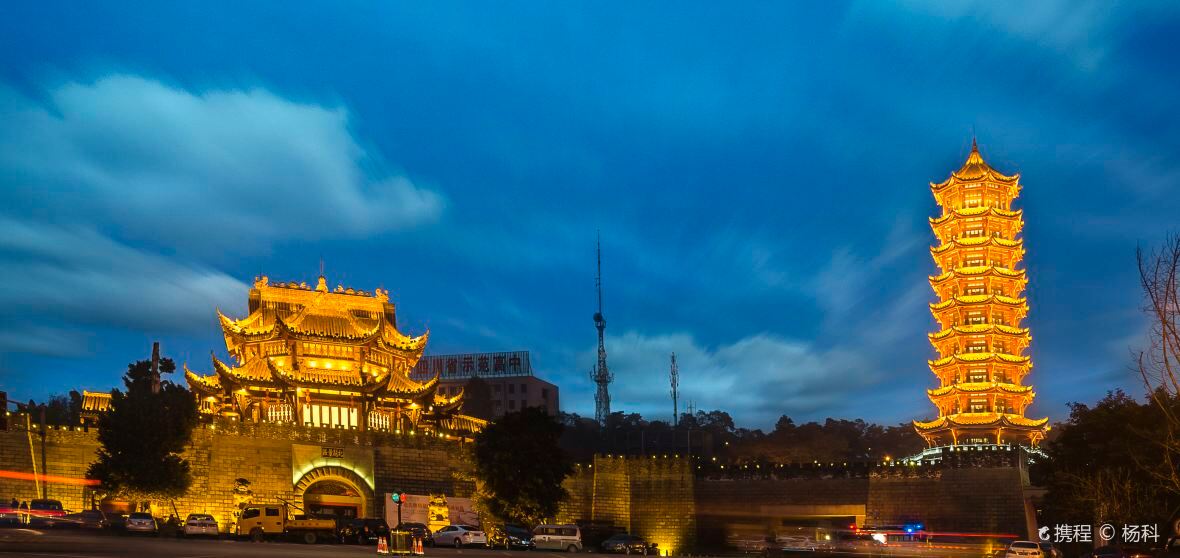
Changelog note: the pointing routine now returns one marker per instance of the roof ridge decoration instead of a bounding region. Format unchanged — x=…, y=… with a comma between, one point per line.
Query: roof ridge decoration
x=975, y=169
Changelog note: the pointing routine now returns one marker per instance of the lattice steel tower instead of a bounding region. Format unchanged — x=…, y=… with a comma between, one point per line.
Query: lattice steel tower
x=674, y=380
x=601, y=374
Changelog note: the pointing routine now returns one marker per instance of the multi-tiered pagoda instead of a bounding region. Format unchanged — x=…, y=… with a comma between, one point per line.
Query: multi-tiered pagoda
x=981, y=366
x=324, y=358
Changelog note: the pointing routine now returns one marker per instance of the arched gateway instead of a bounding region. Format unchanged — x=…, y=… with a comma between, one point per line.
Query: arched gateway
x=335, y=490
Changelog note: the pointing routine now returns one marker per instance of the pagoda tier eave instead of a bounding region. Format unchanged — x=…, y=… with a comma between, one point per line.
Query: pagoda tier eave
x=973, y=272
x=973, y=212
x=977, y=242
x=981, y=329
x=977, y=388
x=981, y=420
x=980, y=299
x=978, y=358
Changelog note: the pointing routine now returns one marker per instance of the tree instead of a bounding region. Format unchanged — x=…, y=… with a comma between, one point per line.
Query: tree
x=477, y=398
x=1159, y=365
x=519, y=467
x=61, y=409
x=142, y=437
x=1096, y=468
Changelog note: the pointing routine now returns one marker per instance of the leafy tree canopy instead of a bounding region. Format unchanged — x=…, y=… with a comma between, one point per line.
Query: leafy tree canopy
x=477, y=398
x=1106, y=464
x=143, y=435
x=519, y=467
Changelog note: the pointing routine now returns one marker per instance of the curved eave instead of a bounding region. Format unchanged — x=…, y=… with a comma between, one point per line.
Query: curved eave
x=979, y=387
x=980, y=271
x=235, y=376
x=975, y=300
x=393, y=339
x=978, y=358
x=205, y=385
x=977, y=212
x=352, y=381
x=967, y=420
x=980, y=329
x=296, y=332
x=976, y=242
x=963, y=176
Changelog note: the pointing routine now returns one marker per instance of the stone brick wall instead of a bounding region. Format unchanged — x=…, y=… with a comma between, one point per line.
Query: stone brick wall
x=976, y=500
x=663, y=501
x=67, y=453
x=222, y=452
x=649, y=497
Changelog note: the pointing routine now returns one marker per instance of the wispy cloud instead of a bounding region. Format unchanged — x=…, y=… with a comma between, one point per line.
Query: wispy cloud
x=205, y=171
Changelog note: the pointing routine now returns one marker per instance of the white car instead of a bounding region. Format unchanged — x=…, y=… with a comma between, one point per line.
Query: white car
x=198, y=524
x=459, y=536
x=140, y=522
x=558, y=537
x=1024, y=549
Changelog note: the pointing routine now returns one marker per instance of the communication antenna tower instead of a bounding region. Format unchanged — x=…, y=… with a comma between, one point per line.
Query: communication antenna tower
x=674, y=380
x=601, y=374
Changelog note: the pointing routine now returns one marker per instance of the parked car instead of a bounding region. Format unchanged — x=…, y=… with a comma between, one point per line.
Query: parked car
x=1049, y=550
x=362, y=530
x=795, y=544
x=625, y=544
x=141, y=522
x=749, y=543
x=511, y=537
x=88, y=519
x=200, y=524
x=1171, y=549
x=558, y=537
x=45, y=513
x=418, y=531
x=1120, y=551
x=459, y=536
x=1019, y=549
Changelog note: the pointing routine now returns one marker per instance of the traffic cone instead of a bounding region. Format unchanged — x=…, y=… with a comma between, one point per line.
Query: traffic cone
x=418, y=546
x=382, y=546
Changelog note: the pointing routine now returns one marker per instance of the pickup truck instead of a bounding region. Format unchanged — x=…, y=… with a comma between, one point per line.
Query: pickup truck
x=261, y=522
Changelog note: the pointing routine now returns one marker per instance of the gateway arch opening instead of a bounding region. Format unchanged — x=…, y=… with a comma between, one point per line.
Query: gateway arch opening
x=335, y=498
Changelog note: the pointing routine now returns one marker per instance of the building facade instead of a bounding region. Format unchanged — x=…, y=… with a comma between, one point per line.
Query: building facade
x=325, y=358
x=509, y=377
x=982, y=365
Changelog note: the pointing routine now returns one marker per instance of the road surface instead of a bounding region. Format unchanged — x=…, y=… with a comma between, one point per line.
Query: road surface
x=78, y=544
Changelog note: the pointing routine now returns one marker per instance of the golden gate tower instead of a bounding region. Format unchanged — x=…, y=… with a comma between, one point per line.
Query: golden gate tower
x=981, y=367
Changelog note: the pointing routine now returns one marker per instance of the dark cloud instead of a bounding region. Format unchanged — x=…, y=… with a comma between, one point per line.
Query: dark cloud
x=200, y=171
x=759, y=177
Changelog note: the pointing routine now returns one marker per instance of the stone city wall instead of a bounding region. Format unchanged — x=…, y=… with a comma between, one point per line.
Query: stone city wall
x=222, y=452
x=649, y=497
x=663, y=500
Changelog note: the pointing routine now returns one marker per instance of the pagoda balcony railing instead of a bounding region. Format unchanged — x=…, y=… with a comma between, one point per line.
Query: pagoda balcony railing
x=380, y=420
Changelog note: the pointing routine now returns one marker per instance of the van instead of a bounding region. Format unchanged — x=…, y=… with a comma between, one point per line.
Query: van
x=558, y=537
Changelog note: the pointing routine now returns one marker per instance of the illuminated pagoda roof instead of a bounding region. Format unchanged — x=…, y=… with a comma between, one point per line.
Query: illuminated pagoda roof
x=978, y=387
x=978, y=358
x=979, y=271
x=973, y=300
x=975, y=329
x=976, y=242
x=981, y=419
x=980, y=364
x=975, y=169
x=340, y=345
x=982, y=211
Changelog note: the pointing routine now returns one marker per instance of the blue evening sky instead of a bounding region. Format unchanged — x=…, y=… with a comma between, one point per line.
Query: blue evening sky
x=759, y=172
